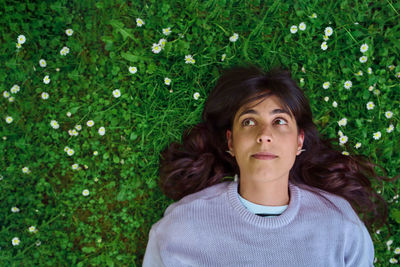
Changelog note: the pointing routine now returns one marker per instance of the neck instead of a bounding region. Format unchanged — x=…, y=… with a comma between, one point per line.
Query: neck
x=266, y=193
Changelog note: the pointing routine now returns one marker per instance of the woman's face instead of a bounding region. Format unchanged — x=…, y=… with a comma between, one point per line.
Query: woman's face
x=261, y=129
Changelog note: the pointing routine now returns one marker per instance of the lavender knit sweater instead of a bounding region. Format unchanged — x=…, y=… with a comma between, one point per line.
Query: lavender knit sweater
x=213, y=228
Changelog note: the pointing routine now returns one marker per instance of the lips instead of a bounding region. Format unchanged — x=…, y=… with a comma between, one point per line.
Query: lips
x=264, y=156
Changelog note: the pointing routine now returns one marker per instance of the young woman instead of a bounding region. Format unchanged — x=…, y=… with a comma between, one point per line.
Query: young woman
x=293, y=200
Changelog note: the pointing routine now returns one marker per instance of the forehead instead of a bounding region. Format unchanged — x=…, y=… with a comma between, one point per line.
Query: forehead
x=270, y=102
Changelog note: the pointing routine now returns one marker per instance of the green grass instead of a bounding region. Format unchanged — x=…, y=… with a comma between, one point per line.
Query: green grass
x=110, y=226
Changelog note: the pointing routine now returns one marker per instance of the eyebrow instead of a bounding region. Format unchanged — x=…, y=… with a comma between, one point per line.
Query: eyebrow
x=273, y=112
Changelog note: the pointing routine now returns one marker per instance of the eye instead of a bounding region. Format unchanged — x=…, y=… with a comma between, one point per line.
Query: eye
x=248, y=122
x=281, y=121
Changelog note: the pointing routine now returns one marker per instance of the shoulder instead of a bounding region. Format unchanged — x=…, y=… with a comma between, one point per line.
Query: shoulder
x=196, y=203
x=207, y=194
x=328, y=203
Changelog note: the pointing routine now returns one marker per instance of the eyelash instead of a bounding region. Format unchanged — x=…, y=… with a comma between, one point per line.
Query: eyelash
x=277, y=119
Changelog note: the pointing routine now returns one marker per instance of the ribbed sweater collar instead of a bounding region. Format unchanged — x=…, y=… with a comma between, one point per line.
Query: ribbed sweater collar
x=268, y=222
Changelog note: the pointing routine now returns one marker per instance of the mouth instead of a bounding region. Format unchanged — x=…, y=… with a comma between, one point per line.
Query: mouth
x=264, y=156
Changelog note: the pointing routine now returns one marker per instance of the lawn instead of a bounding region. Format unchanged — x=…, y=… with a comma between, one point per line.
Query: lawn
x=92, y=91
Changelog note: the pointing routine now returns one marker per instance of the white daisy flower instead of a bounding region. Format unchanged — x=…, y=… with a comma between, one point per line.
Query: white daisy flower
x=42, y=63
x=390, y=128
x=162, y=43
x=78, y=127
x=397, y=75
x=102, y=131
x=75, y=166
x=324, y=46
x=167, y=81
x=6, y=94
x=196, y=95
x=70, y=152
x=377, y=92
x=388, y=114
x=326, y=85
x=234, y=37
x=223, y=57
x=328, y=31
x=32, y=229
x=393, y=260
x=21, y=39
x=348, y=84
x=302, y=26
x=14, y=209
x=11, y=99
x=343, y=122
x=9, y=119
x=358, y=145
x=85, y=192
x=18, y=45
x=326, y=98
x=340, y=133
x=54, y=124
x=189, y=59
x=46, y=79
x=132, y=70
x=370, y=105
x=397, y=251
x=334, y=104
x=72, y=132
x=139, y=22
x=343, y=139
x=15, y=241
x=364, y=48
x=377, y=135
x=69, y=32
x=314, y=15
x=391, y=67
x=326, y=38
x=95, y=153
x=345, y=153
x=363, y=59
x=369, y=71
x=25, y=170
x=293, y=29
x=156, y=48
x=359, y=73
x=116, y=93
x=66, y=149
x=45, y=95
x=69, y=114
x=15, y=89
x=90, y=123
x=167, y=31
x=64, y=51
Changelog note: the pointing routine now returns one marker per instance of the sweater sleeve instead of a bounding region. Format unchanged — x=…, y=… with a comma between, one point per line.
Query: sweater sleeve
x=359, y=249
x=152, y=257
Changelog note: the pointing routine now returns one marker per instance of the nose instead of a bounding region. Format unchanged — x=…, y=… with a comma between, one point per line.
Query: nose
x=264, y=136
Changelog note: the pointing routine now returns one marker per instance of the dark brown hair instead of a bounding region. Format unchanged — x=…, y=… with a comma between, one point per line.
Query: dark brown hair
x=201, y=160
